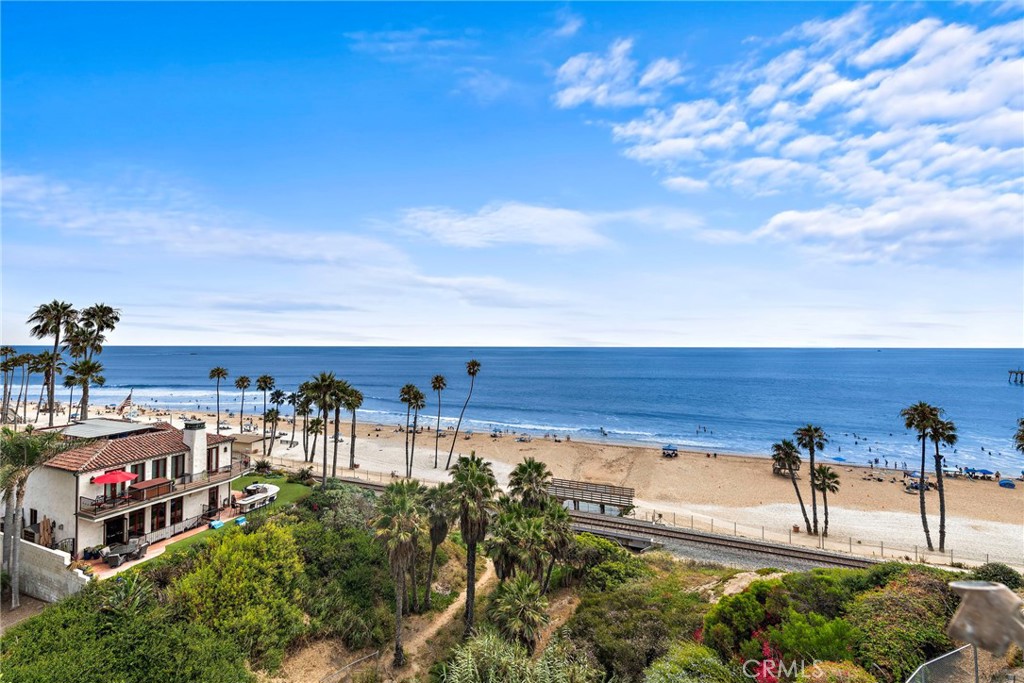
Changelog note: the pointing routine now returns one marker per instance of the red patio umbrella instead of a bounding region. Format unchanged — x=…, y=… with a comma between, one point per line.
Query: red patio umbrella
x=115, y=477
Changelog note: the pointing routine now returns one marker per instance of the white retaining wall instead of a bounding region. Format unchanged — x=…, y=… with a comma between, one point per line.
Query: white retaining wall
x=45, y=574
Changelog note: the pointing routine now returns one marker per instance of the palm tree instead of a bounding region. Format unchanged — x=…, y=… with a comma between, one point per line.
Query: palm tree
x=786, y=457
x=87, y=373
x=95, y=320
x=315, y=425
x=474, y=486
x=277, y=399
x=417, y=401
x=503, y=541
x=405, y=395
x=1018, y=438
x=40, y=364
x=22, y=453
x=218, y=373
x=558, y=536
x=438, y=383
x=827, y=481
x=7, y=354
x=529, y=483
x=472, y=369
x=51, y=320
x=242, y=382
x=441, y=510
x=340, y=390
x=22, y=361
x=399, y=521
x=812, y=439
x=304, y=408
x=942, y=433
x=264, y=383
x=351, y=402
x=322, y=390
x=920, y=417
x=70, y=382
x=520, y=611
x=293, y=400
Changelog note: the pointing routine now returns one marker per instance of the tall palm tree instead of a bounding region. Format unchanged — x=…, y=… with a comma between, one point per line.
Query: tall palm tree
x=1018, y=437
x=22, y=361
x=438, y=383
x=920, y=417
x=417, y=401
x=264, y=383
x=22, y=453
x=405, y=395
x=218, y=373
x=46, y=363
x=277, y=398
x=293, y=400
x=242, y=382
x=503, y=542
x=441, y=509
x=474, y=486
x=88, y=373
x=529, y=483
x=39, y=364
x=827, y=481
x=339, y=391
x=351, y=401
x=812, y=439
x=472, y=369
x=323, y=392
x=48, y=320
x=304, y=408
x=558, y=536
x=399, y=521
x=70, y=382
x=786, y=457
x=942, y=433
x=519, y=610
x=315, y=425
x=95, y=320
x=7, y=354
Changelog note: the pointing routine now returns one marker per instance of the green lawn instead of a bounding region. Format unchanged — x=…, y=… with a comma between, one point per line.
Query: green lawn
x=289, y=493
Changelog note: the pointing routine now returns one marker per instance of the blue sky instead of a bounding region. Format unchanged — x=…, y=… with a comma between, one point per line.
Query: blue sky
x=720, y=174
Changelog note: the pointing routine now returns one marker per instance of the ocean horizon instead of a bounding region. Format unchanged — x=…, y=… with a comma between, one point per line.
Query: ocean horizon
x=728, y=400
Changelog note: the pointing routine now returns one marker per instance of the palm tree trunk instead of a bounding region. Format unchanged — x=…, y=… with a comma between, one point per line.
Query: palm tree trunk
x=53, y=371
x=412, y=573
x=942, y=499
x=263, y=423
x=814, y=490
x=430, y=577
x=412, y=453
x=800, y=499
x=921, y=490
x=21, y=391
x=352, y=444
x=547, y=576
x=218, y=406
x=16, y=547
x=8, y=526
x=312, y=450
x=437, y=432
x=470, y=587
x=337, y=433
x=399, y=592
x=24, y=405
x=273, y=435
x=824, y=501
x=325, y=444
x=39, y=403
x=305, y=437
x=472, y=380
x=71, y=402
x=241, y=413
x=85, y=401
x=408, y=412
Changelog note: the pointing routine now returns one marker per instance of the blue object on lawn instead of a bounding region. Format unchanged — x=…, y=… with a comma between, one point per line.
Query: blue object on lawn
x=216, y=524
x=240, y=521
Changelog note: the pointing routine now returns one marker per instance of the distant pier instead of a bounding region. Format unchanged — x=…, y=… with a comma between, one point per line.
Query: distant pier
x=1017, y=376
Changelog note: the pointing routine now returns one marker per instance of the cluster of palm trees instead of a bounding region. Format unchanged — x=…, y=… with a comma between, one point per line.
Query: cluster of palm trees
x=824, y=480
x=81, y=334
x=927, y=420
x=524, y=533
x=21, y=453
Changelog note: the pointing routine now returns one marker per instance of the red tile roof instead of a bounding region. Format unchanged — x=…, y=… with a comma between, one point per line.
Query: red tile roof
x=212, y=439
x=110, y=453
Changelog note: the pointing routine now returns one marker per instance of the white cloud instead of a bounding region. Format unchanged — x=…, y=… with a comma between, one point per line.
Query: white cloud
x=683, y=184
x=611, y=80
x=569, y=24
x=410, y=44
x=483, y=84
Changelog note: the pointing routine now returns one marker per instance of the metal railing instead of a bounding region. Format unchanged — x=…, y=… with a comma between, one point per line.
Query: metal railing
x=93, y=508
x=958, y=666
x=174, y=529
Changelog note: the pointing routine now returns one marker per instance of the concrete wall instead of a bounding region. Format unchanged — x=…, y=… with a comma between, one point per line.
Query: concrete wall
x=45, y=574
x=52, y=493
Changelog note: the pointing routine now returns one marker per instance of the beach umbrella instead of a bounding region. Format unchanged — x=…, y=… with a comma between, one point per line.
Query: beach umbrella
x=988, y=472
x=115, y=477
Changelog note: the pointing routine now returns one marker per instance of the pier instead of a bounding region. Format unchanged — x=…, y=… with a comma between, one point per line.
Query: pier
x=1017, y=376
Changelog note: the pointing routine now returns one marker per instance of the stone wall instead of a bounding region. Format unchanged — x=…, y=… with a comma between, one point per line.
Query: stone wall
x=45, y=574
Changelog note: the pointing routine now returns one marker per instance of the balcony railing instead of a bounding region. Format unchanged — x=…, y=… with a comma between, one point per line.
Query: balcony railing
x=101, y=506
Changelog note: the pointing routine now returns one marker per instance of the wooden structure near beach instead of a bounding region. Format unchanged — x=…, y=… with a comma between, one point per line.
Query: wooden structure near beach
x=1017, y=376
x=596, y=494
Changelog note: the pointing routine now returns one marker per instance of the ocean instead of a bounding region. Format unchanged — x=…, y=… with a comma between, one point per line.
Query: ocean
x=714, y=400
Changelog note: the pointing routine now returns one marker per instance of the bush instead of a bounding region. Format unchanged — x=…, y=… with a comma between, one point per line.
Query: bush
x=262, y=466
x=487, y=658
x=736, y=617
x=600, y=564
x=834, y=672
x=690, y=663
x=341, y=506
x=999, y=573
x=812, y=636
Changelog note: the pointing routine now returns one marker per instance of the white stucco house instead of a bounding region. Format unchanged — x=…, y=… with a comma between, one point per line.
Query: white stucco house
x=181, y=479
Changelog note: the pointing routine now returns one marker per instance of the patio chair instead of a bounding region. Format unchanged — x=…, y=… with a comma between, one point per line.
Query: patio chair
x=114, y=560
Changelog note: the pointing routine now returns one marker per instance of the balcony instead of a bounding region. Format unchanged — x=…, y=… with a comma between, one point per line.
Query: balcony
x=153, y=491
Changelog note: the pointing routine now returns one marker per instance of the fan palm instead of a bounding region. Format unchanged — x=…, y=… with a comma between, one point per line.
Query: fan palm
x=315, y=425
x=293, y=400
x=352, y=401
x=340, y=390
x=277, y=397
x=304, y=409
x=70, y=382
x=399, y=521
x=942, y=433
x=88, y=374
x=441, y=510
x=264, y=383
x=95, y=320
x=438, y=383
x=52, y=319
x=242, y=382
x=472, y=369
x=827, y=481
x=558, y=537
x=520, y=611
x=786, y=457
x=920, y=417
x=474, y=487
x=45, y=363
x=417, y=401
x=502, y=544
x=405, y=395
x=529, y=483
x=218, y=373
x=322, y=390
x=812, y=439
x=1018, y=438
x=7, y=354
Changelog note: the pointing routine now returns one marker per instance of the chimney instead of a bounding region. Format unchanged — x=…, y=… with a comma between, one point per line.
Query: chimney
x=194, y=437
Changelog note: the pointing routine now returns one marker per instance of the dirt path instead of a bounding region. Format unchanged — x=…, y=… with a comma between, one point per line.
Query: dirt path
x=561, y=608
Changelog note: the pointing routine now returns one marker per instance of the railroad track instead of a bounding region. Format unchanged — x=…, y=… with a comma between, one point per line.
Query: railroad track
x=633, y=526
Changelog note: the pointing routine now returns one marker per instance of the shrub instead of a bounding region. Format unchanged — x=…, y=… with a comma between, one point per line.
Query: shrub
x=599, y=563
x=812, y=636
x=342, y=506
x=735, y=617
x=262, y=466
x=999, y=573
x=487, y=658
x=834, y=672
x=690, y=663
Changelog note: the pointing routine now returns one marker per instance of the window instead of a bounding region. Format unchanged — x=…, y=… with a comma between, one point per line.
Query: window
x=33, y=516
x=136, y=523
x=139, y=469
x=176, y=510
x=211, y=460
x=178, y=466
x=159, y=468
x=159, y=516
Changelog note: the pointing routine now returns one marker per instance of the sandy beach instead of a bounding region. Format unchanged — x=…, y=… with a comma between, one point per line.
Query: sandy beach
x=982, y=518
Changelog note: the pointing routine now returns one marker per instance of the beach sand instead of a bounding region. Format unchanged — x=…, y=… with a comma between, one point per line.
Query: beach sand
x=982, y=518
